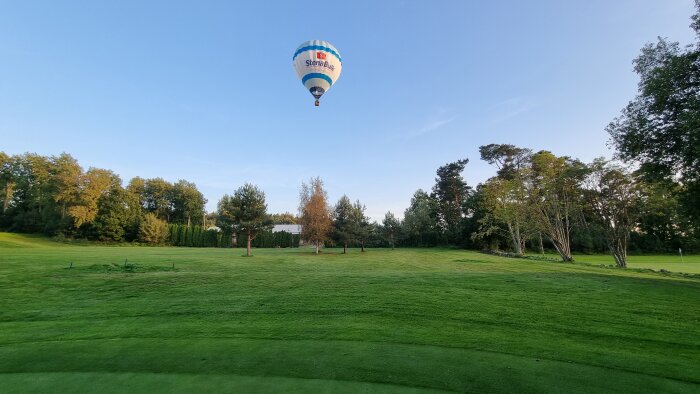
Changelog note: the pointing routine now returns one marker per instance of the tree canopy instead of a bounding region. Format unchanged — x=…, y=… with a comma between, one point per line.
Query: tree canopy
x=314, y=213
x=660, y=128
x=245, y=212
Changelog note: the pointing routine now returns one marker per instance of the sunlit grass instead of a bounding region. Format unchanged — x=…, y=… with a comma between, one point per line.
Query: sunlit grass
x=187, y=319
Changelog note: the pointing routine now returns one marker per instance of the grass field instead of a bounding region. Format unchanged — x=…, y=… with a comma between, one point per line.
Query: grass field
x=185, y=319
x=688, y=264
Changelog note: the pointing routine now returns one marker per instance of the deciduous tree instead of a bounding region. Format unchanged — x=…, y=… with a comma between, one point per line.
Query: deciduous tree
x=158, y=197
x=314, y=213
x=153, y=230
x=614, y=198
x=556, y=198
x=116, y=216
x=660, y=127
x=67, y=180
x=506, y=197
x=508, y=207
x=420, y=220
x=7, y=183
x=187, y=203
x=95, y=183
x=284, y=218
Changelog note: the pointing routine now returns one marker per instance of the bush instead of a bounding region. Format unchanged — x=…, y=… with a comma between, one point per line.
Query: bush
x=153, y=230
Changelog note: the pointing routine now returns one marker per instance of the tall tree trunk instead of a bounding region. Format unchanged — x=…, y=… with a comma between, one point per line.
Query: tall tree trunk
x=566, y=248
x=515, y=238
x=541, y=243
x=345, y=247
x=557, y=227
x=618, y=247
x=563, y=249
x=557, y=232
x=249, y=239
x=619, y=255
x=362, y=242
x=188, y=221
x=7, y=197
x=317, y=246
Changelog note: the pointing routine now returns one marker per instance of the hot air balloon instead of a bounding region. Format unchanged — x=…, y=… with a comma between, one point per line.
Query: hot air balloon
x=318, y=65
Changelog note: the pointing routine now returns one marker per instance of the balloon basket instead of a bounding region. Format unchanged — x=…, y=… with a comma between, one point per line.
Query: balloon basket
x=316, y=103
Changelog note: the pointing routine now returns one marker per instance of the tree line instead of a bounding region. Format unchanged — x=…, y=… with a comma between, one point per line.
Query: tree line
x=535, y=200
x=540, y=200
x=55, y=195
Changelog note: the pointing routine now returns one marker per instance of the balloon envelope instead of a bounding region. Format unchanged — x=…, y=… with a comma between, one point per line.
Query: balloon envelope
x=318, y=65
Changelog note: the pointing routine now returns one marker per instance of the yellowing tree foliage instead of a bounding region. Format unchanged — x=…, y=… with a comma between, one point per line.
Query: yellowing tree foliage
x=314, y=213
x=153, y=230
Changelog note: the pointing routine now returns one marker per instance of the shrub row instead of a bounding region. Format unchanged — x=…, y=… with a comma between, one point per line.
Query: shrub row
x=199, y=237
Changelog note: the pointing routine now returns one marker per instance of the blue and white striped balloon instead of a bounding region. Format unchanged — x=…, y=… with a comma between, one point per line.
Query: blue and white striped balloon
x=318, y=65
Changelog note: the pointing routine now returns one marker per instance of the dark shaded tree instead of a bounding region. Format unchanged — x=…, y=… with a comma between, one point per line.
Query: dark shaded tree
x=662, y=227
x=187, y=203
x=245, y=212
x=360, y=224
x=32, y=207
x=660, y=127
x=118, y=215
x=391, y=228
x=157, y=197
x=420, y=226
x=450, y=192
x=7, y=183
x=508, y=159
x=344, y=226
x=67, y=184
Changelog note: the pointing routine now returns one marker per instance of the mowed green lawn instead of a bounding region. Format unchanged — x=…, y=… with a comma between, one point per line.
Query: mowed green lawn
x=688, y=264
x=380, y=321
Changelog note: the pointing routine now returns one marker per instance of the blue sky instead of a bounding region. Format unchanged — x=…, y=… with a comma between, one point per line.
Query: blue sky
x=205, y=90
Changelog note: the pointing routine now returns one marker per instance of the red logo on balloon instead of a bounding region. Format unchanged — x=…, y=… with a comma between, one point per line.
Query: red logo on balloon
x=320, y=55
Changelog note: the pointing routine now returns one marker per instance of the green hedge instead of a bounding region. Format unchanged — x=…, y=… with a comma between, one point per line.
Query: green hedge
x=198, y=237
x=268, y=239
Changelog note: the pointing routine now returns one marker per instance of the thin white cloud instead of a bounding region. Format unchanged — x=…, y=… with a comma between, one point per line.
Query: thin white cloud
x=434, y=124
x=508, y=109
